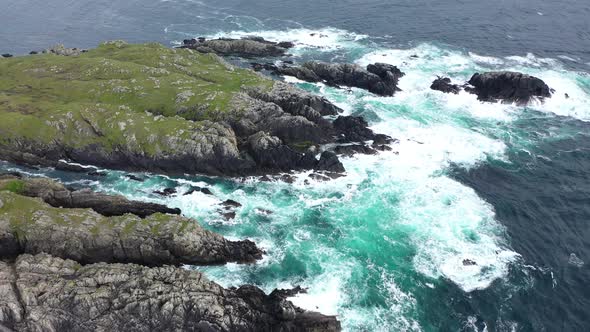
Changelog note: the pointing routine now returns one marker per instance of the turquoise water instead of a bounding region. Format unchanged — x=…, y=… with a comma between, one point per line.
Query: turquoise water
x=383, y=247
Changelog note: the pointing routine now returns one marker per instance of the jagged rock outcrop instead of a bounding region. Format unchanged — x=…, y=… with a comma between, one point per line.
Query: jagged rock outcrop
x=353, y=129
x=378, y=78
x=297, y=101
x=444, y=84
x=505, y=86
x=28, y=225
x=248, y=47
x=508, y=87
x=329, y=162
x=270, y=152
x=258, y=115
x=45, y=293
x=60, y=49
x=55, y=194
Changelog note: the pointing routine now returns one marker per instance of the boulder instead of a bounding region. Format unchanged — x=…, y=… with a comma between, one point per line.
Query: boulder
x=444, y=84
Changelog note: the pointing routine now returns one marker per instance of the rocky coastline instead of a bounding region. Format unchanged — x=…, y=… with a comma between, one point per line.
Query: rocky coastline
x=77, y=258
x=73, y=267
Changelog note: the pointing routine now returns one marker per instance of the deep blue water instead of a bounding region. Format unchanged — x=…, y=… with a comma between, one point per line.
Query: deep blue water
x=485, y=182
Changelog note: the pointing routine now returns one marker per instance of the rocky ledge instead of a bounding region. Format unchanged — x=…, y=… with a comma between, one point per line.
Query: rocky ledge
x=378, y=78
x=505, y=86
x=247, y=47
x=76, y=269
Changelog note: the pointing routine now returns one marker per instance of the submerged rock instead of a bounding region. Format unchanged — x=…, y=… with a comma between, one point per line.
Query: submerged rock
x=54, y=294
x=378, y=78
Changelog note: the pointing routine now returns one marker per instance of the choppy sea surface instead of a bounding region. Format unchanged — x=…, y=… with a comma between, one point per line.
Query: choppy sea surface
x=384, y=247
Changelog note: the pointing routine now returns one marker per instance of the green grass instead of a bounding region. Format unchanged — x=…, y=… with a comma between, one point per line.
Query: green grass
x=15, y=186
x=25, y=214
x=116, y=94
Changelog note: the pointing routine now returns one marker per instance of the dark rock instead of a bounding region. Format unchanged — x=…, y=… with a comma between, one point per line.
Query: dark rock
x=63, y=166
x=96, y=173
x=33, y=52
x=508, y=87
x=318, y=177
x=380, y=139
x=469, y=262
x=206, y=191
x=231, y=204
x=378, y=78
x=229, y=215
x=444, y=84
x=381, y=147
x=61, y=295
x=134, y=177
x=263, y=66
x=269, y=153
x=353, y=129
x=286, y=45
x=329, y=162
x=166, y=192
x=7, y=55
x=350, y=150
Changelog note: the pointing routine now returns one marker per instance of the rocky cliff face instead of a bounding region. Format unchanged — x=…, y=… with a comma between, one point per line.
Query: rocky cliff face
x=76, y=269
x=46, y=293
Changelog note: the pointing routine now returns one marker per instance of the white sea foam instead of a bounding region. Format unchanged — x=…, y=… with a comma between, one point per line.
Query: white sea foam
x=326, y=39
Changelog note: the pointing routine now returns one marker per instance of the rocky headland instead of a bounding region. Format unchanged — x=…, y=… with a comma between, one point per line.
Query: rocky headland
x=74, y=268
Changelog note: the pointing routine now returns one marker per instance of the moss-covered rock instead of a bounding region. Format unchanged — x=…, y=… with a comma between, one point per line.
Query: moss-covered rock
x=29, y=225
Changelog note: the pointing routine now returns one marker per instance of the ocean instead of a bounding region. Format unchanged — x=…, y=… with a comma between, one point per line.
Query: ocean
x=383, y=248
